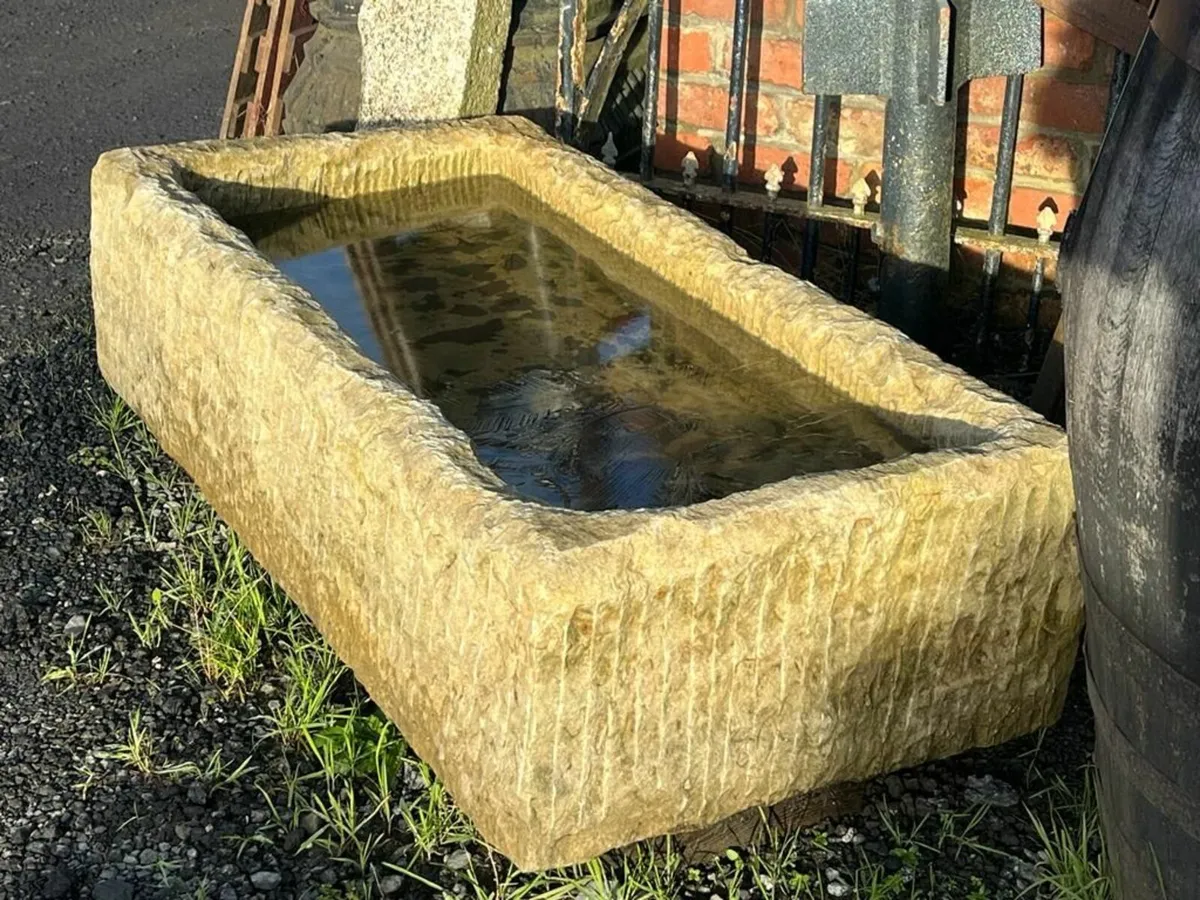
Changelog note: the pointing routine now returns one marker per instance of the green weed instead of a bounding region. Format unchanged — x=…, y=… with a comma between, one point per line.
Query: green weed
x=97, y=528
x=313, y=672
x=138, y=751
x=1072, y=861
x=433, y=822
x=93, y=666
x=220, y=775
x=150, y=626
x=138, y=748
x=111, y=600
x=500, y=880
x=125, y=433
x=344, y=831
x=231, y=608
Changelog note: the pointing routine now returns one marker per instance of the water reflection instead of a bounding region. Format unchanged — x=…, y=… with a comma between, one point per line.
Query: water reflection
x=574, y=389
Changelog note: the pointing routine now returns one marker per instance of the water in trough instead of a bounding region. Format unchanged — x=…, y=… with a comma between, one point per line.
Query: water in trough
x=578, y=389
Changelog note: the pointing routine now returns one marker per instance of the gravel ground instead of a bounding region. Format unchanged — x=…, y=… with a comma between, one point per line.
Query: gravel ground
x=84, y=812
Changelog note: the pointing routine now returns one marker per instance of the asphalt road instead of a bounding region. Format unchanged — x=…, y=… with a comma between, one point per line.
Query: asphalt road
x=78, y=77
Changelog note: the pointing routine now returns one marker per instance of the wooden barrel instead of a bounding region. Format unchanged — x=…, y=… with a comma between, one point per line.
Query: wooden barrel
x=1131, y=287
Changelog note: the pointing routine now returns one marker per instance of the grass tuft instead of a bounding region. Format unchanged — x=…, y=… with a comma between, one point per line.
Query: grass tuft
x=138, y=747
x=97, y=528
x=92, y=666
x=1072, y=863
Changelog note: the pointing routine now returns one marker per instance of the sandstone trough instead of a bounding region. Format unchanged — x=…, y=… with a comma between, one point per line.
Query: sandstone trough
x=582, y=680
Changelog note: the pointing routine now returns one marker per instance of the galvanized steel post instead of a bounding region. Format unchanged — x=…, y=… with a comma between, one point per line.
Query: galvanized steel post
x=916, y=208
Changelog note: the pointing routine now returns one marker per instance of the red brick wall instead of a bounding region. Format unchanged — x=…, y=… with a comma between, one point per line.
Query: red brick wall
x=1062, y=112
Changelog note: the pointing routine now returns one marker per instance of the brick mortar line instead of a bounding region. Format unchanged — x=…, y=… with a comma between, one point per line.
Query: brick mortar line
x=1098, y=70
x=1088, y=139
x=697, y=22
x=720, y=78
x=692, y=127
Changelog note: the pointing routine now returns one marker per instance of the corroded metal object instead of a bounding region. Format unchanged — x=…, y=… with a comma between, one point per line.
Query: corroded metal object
x=860, y=194
x=773, y=179
x=266, y=60
x=584, y=680
x=690, y=168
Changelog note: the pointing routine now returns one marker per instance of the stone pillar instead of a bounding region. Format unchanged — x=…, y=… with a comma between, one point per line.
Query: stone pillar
x=424, y=60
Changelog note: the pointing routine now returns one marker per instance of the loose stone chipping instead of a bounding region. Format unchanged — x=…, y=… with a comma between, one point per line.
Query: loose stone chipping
x=583, y=680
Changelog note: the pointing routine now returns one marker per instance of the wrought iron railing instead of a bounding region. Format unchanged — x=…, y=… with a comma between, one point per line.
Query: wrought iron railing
x=993, y=240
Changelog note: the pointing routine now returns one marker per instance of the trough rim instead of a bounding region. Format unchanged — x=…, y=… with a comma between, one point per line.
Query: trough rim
x=1006, y=427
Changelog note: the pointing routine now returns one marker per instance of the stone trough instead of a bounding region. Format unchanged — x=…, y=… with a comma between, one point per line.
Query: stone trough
x=582, y=680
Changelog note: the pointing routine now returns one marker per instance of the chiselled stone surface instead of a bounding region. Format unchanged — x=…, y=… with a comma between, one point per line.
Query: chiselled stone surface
x=425, y=60
x=583, y=680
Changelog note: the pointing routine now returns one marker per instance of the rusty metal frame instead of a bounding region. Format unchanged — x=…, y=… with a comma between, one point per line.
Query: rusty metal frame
x=600, y=80
x=580, y=94
x=566, y=71
x=268, y=52
x=650, y=101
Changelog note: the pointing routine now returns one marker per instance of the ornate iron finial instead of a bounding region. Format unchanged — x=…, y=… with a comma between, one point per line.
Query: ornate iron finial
x=860, y=194
x=1047, y=218
x=774, y=180
x=690, y=168
x=608, y=152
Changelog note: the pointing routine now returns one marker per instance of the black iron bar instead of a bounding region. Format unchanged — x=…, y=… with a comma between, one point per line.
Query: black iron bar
x=564, y=100
x=737, y=85
x=1010, y=120
x=1006, y=153
x=650, y=101
x=818, y=152
x=1116, y=83
x=1035, y=305
x=850, y=279
x=771, y=225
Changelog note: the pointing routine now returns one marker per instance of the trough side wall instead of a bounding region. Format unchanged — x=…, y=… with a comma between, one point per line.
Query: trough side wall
x=351, y=493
